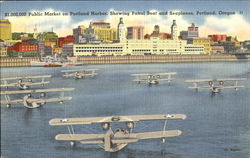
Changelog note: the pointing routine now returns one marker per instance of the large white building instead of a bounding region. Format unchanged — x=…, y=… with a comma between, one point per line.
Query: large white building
x=152, y=46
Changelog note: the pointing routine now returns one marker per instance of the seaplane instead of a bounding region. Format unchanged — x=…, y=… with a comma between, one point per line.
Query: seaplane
x=153, y=78
x=114, y=140
x=24, y=82
x=31, y=102
x=80, y=73
x=216, y=85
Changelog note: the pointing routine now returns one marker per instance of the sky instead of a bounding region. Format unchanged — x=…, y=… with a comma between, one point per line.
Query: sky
x=237, y=24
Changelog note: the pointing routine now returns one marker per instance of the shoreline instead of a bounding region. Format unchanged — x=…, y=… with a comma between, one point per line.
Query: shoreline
x=25, y=61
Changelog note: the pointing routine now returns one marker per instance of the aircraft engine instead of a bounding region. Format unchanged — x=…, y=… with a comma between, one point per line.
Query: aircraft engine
x=221, y=82
x=130, y=125
x=30, y=80
x=72, y=143
x=105, y=126
x=43, y=94
x=163, y=140
x=210, y=83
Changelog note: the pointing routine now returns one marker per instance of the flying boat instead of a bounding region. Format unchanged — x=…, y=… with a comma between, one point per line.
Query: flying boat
x=153, y=78
x=216, y=85
x=29, y=101
x=114, y=140
x=24, y=82
x=80, y=73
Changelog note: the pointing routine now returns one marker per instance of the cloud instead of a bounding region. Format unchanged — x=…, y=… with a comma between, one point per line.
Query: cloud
x=60, y=23
x=148, y=21
x=233, y=25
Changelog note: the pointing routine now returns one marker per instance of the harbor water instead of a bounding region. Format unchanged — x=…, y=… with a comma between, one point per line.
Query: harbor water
x=217, y=126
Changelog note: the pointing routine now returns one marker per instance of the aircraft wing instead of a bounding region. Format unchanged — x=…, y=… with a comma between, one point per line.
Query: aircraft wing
x=35, y=83
x=200, y=87
x=156, y=134
x=118, y=139
x=146, y=74
x=26, y=83
x=79, y=70
x=161, y=73
x=201, y=80
x=90, y=120
x=69, y=75
x=81, y=74
x=165, y=79
x=165, y=73
x=79, y=137
x=89, y=74
x=140, y=80
x=218, y=80
x=25, y=77
x=9, y=85
x=231, y=79
x=20, y=101
x=36, y=91
x=232, y=87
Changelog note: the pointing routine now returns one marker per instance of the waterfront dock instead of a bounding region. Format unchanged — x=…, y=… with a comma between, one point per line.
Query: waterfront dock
x=15, y=62
x=162, y=59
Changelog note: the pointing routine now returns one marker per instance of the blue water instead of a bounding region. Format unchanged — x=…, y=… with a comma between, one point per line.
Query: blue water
x=217, y=126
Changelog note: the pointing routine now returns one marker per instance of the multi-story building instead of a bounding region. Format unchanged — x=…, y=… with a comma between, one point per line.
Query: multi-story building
x=105, y=34
x=198, y=41
x=121, y=31
x=51, y=44
x=233, y=39
x=174, y=31
x=5, y=30
x=23, y=49
x=67, y=50
x=3, y=49
x=98, y=49
x=135, y=32
x=246, y=44
x=156, y=46
x=102, y=32
x=48, y=50
x=217, y=49
x=41, y=48
x=151, y=46
x=156, y=33
x=48, y=37
x=230, y=47
x=193, y=31
x=25, y=37
x=65, y=40
x=217, y=37
x=184, y=35
x=100, y=25
x=77, y=32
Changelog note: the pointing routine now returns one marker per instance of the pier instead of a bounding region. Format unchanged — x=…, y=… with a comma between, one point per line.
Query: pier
x=162, y=59
x=15, y=62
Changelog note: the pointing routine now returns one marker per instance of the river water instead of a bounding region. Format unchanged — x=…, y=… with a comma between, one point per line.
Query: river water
x=217, y=126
